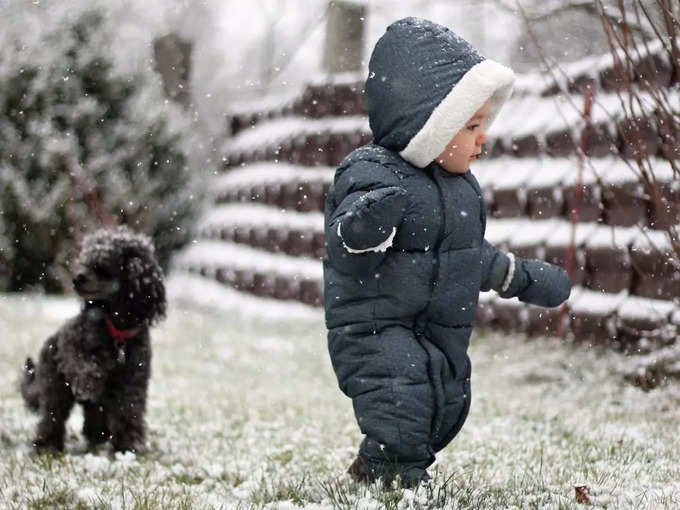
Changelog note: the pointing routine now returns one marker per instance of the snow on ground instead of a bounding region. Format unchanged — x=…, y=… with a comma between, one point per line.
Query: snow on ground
x=244, y=412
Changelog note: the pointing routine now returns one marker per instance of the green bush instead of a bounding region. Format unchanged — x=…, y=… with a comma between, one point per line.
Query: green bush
x=83, y=145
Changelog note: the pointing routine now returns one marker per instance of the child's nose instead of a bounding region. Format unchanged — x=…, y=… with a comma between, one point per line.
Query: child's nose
x=481, y=139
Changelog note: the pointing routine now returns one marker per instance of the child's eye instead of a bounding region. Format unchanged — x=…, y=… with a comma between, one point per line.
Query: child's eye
x=473, y=127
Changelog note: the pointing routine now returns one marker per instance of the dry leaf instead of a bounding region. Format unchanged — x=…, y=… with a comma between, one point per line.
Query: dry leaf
x=583, y=494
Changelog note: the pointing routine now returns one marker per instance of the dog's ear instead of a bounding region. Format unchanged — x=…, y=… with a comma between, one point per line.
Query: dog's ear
x=145, y=278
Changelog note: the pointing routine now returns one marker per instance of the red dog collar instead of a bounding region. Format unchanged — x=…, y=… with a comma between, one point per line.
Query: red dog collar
x=120, y=335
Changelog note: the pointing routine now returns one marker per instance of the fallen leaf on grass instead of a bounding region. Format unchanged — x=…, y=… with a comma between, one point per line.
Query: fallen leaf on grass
x=583, y=494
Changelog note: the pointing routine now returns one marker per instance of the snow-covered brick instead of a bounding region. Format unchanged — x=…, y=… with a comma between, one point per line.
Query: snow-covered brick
x=652, y=240
x=537, y=114
x=575, y=294
x=675, y=316
x=616, y=171
x=530, y=84
x=562, y=234
x=214, y=255
x=504, y=172
x=269, y=172
x=619, y=171
x=638, y=308
x=604, y=236
x=565, y=111
x=596, y=303
x=550, y=172
x=201, y=291
x=278, y=131
x=535, y=232
x=591, y=173
x=259, y=215
x=500, y=231
x=270, y=102
x=346, y=78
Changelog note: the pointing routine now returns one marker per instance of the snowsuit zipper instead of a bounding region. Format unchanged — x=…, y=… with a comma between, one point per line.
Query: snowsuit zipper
x=440, y=236
x=434, y=377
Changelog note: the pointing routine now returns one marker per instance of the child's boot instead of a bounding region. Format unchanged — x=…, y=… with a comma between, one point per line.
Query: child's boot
x=360, y=471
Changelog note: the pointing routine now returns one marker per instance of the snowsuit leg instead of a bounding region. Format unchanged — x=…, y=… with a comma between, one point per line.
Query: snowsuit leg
x=386, y=375
x=450, y=371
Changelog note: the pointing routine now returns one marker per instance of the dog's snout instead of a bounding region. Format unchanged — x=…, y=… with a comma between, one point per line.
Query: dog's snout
x=80, y=279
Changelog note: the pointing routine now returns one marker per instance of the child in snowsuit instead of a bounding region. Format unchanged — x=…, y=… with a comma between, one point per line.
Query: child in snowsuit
x=406, y=256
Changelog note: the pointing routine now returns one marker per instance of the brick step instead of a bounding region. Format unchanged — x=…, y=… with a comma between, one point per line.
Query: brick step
x=294, y=234
x=251, y=270
x=298, y=140
x=293, y=242
x=541, y=189
x=346, y=97
x=628, y=323
x=265, y=283
x=323, y=99
x=289, y=187
x=328, y=146
x=606, y=259
x=293, y=195
x=653, y=67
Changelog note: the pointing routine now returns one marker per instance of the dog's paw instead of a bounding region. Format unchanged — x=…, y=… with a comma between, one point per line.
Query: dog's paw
x=43, y=447
x=136, y=448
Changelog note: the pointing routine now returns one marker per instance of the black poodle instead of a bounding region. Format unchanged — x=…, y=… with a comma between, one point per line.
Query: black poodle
x=101, y=358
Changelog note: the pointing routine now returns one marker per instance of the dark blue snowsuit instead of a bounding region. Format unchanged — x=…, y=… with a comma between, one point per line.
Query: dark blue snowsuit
x=406, y=256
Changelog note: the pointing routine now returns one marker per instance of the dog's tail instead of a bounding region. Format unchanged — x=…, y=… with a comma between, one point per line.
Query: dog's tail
x=28, y=386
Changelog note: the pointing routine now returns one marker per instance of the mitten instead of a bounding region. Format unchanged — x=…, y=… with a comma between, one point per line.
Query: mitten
x=536, y=282
x=370, y=222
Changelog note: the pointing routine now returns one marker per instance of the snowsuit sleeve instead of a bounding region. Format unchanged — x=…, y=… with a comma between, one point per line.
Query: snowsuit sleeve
x=494, y=267
x=363, y=211
x=530, y=280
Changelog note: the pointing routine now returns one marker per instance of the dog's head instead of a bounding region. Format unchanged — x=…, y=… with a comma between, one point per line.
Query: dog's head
x=118, y=269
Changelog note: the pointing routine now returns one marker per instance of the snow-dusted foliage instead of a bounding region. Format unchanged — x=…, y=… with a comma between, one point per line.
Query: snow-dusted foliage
x=83, y=142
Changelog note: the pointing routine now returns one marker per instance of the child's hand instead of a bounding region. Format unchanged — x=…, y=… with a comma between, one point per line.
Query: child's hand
x=539, y=283
x=372, y=219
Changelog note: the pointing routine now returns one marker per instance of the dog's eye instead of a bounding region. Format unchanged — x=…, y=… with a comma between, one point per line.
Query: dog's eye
x=102, y=272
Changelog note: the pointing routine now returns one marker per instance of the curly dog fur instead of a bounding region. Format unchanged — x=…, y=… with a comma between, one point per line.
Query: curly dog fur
x=101, y=358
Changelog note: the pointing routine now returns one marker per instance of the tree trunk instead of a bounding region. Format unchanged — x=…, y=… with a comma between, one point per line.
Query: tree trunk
x=344, y=37
x=173, y=59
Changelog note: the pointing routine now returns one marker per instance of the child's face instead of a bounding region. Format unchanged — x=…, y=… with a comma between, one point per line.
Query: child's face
x=466, y=146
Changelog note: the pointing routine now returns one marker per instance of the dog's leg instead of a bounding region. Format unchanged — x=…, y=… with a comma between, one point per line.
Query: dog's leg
x=127, y=425
x=127, y=394
x=94, y=426
x=55, y=406
x=29, y=387
x=127, y=410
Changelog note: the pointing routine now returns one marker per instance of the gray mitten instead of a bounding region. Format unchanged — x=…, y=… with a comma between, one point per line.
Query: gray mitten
x=538, y=283
x=373, y=218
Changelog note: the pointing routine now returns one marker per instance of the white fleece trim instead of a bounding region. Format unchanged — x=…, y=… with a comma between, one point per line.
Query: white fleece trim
x=382, y=247
x=510, y=275
x=486, y=80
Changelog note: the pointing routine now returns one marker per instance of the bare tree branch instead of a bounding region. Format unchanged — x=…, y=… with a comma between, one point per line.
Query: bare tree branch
x=586, y=6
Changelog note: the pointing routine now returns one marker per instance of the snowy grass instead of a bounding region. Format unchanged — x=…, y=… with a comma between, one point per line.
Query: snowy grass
x=244, y=412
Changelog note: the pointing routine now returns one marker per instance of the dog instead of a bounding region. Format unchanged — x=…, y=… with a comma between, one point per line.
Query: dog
x=101, y=359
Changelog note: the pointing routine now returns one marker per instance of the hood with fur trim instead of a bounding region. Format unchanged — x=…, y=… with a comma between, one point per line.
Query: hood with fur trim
x=424, y=83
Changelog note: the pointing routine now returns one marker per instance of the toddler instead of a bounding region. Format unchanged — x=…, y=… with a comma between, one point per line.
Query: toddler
x=406, y=256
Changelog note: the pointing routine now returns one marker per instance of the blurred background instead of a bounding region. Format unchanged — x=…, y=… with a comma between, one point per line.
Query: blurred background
x=124, y=111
